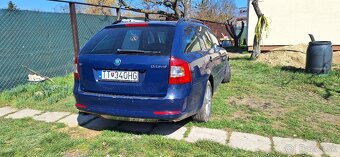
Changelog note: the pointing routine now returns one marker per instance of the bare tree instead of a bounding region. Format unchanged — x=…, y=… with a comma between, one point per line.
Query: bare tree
x=187, y=8
x=177, y=7
x=231, y=25
x=214, y=10
x=100, y=10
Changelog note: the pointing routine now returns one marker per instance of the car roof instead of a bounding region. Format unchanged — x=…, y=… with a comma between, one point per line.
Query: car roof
x=155, y=23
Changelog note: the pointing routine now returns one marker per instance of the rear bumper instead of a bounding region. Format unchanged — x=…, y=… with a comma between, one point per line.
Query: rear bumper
x=138, y=107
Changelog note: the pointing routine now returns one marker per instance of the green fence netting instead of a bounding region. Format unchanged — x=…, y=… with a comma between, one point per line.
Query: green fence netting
x=42, y=41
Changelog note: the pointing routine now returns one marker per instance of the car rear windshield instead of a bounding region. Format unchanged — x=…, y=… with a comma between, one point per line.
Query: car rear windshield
x=151, y=40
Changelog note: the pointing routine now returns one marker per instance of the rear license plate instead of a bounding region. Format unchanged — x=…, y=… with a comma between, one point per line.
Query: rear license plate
x=118, y=75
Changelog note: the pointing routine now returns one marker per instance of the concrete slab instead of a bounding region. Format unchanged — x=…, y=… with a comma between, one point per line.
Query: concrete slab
x=293, y=146
x=25, y=113
x=51, y=116
x=136, y=127
x=215, y=135
x=6, y=110
x=75, y=120
x=102, y=124
x=331, y=149
x=70, y=120
x=170, y=130
x=249, y=142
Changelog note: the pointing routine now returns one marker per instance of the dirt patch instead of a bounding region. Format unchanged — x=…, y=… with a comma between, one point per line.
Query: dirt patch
x=73, y=153
x=294, y=55
x=253, y=103
x=329, y=118
x=76, y=133
x=268, y=107
x=238, y=115
x=336, y=60
x=286, y=56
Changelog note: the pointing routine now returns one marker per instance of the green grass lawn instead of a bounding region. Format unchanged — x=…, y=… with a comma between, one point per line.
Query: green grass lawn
x=270, y=101
x=27, y=137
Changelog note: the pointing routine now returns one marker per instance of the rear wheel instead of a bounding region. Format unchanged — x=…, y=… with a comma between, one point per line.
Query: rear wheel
x=227, y=77
x=204, y=113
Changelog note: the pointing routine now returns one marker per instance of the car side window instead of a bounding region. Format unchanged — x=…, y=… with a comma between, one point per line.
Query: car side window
x=191, y=40
x=213, y=38
x=206, y=38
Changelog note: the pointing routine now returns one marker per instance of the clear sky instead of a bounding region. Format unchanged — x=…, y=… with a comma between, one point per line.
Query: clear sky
x=44, y=5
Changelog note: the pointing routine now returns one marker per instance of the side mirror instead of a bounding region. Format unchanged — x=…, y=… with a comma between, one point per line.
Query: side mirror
x=215, y=46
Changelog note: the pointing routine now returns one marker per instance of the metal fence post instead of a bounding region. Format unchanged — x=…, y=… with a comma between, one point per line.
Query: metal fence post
x=75, y=36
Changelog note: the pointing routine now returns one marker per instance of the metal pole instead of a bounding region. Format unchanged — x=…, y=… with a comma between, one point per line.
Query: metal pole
x=75, y=36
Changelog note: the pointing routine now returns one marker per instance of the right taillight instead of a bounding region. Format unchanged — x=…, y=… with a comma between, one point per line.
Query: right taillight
x=76, y=72
x=179, y=71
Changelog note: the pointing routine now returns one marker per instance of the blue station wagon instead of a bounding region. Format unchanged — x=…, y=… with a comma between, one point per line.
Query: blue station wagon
x=150, y=71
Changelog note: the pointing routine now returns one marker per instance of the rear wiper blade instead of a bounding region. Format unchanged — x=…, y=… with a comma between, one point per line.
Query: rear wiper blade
x=122, y=51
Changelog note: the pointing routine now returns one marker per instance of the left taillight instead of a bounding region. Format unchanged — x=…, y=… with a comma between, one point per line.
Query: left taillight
x=76, y=70
x=179, y=71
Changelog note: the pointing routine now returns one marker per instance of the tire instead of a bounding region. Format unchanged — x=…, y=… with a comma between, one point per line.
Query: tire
x=204, y=113
x=227, y=77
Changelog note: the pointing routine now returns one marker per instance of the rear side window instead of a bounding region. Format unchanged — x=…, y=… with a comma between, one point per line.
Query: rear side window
x=206, y=38
x=191, y=40
x=213, y=38
x=152, y=38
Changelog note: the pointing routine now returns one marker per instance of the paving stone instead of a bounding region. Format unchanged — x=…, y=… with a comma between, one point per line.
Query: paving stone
x=51, y=116
x=6, y=110
x=293, y=146
x=102, y=124
x=331, y=149
x=25, y=113
x=215, y=135
x=135, y=127
x=169, y=130
x=70, y=120
x=75, y=120
x=249, y=142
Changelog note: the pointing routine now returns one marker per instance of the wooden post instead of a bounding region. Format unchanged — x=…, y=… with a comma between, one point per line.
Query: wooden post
x=146, y=17
x=74, y=26
x=119, y=15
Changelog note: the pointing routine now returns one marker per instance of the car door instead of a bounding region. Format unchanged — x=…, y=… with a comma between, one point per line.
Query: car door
x=214, y=57
x=196, y=55
x=221, y=51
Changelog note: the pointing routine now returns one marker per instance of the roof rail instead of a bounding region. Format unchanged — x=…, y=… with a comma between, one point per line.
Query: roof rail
x=189, y=20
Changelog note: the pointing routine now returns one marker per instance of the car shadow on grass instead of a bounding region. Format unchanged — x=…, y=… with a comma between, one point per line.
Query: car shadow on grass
x=97, y=123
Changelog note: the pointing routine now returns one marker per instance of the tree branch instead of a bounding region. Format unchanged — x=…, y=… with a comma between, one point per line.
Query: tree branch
x=146, y=11
x=257, y=9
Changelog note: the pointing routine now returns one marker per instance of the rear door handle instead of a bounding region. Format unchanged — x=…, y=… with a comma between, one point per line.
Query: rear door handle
x=210, y=59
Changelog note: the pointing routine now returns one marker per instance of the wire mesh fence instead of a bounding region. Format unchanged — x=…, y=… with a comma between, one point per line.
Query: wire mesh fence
x=41, y=41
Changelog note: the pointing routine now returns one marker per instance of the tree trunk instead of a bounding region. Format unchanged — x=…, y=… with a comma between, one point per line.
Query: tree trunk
x=232, y=32
x=256, y=45
x=187, y=6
